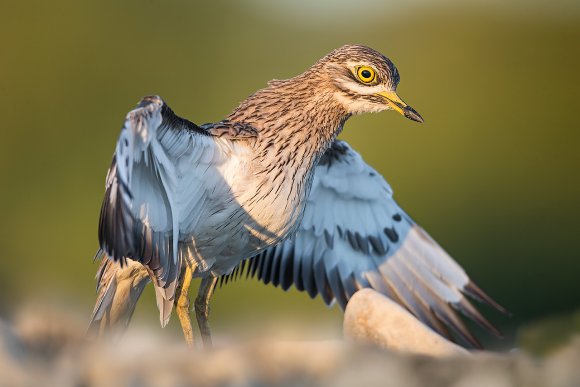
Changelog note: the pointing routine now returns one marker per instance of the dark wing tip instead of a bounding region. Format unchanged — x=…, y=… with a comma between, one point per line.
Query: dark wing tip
x=465, y=307
x=474, y=291
x=446, y=315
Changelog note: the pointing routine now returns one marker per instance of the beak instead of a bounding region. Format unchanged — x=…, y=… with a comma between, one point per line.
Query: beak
x=397, y=104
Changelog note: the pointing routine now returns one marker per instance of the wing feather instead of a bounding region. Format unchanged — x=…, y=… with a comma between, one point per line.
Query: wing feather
x=118, y=290
x=354, y=235
x=162, y=175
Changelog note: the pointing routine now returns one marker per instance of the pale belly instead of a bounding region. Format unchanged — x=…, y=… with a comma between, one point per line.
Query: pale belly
x=254, y=215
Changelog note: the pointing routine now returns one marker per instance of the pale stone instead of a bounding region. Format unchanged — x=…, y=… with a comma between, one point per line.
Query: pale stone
x=372, y=318
x=48, y=351
x=12, y=357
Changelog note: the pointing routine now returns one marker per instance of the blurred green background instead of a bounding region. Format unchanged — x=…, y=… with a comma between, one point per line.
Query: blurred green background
x=493, y=174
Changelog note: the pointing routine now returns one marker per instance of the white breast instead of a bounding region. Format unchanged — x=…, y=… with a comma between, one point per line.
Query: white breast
x=250, y=212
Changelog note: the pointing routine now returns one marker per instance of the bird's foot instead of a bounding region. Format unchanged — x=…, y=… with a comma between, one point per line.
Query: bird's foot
x=182, y=309
x=201, y=305
x=182, y=306
x=202, y=315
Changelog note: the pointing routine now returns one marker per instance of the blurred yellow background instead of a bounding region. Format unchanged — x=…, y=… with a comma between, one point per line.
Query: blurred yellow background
x=493, y=174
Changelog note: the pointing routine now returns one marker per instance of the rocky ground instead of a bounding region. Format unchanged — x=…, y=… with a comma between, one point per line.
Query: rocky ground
x=49, y=348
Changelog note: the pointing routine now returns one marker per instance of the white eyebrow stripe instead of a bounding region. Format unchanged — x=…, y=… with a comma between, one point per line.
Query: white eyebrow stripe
x=362, y=89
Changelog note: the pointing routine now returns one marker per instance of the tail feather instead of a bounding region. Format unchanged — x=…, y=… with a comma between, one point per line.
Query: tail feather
x=118, y=290
x=165, y=303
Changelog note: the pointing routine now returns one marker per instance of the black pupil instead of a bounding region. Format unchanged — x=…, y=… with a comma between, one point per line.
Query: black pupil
x=365, y=74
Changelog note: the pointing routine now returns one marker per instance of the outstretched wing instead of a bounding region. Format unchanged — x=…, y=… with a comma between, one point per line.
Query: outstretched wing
x=163, y=174
x=354, y=235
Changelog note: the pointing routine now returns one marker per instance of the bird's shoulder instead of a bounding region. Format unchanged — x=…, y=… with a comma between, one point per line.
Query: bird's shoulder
x=229, y=129
x=152, y=106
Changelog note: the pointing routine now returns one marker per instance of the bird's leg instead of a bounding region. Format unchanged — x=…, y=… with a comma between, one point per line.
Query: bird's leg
x=182, y=305
x=202, y=308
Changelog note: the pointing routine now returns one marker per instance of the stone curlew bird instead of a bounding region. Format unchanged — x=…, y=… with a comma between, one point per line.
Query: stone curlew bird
x=187, y=201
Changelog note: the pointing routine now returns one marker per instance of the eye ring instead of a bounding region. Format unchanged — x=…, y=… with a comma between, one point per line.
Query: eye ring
x=366, y=74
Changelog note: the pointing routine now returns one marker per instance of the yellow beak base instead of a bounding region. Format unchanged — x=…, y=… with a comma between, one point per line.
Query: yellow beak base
x=397, y=104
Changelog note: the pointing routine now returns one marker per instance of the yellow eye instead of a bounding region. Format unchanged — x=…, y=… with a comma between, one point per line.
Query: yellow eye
x=365, y=74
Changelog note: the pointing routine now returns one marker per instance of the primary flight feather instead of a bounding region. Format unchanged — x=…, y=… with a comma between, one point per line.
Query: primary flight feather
x=185, y=201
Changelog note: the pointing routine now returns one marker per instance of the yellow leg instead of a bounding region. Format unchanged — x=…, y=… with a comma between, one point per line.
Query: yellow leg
x=182, y=305
x=202, y=308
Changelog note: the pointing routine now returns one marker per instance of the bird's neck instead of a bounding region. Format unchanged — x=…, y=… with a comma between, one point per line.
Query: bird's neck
x=296, y=120
x=295, y=127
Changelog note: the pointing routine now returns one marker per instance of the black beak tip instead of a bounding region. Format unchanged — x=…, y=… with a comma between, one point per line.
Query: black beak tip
x=411, y=114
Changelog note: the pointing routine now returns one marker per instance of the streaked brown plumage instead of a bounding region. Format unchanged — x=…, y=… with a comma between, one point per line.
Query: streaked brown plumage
x=195, y=201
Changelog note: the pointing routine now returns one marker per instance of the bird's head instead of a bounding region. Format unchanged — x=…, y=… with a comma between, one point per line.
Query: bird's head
x=364, y=81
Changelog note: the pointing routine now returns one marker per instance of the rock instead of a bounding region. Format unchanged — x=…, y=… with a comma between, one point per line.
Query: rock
x=37, y=352
x=12, y=357
x=47, y=330
x=372, y=318
x=562, y=368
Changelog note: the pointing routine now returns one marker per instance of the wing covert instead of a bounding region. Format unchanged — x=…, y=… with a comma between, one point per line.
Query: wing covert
x=354, y=235
x=162, y=175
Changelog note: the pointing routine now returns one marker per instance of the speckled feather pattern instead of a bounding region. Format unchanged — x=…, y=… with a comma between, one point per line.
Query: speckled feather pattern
x=176, y=194
x=211, y=196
